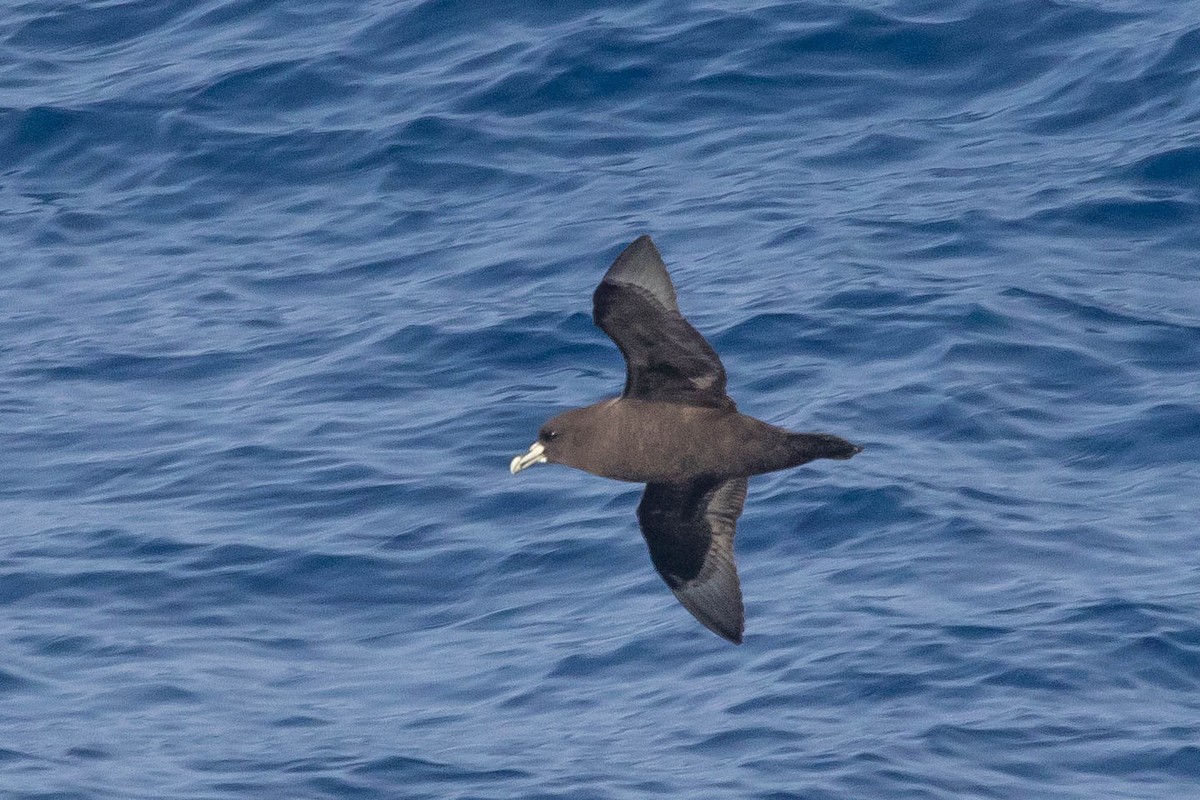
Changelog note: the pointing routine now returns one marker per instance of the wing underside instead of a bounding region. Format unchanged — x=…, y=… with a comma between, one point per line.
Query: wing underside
x=689, y=529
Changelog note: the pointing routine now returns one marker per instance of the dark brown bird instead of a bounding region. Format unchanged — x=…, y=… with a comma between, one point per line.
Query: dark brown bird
x=675, y=430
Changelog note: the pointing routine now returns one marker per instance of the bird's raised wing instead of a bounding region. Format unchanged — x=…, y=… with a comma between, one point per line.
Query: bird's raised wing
x=689, y=529
x=666, y=359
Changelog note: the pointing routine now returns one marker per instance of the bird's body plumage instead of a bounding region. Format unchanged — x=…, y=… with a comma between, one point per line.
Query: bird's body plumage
x=675, y=429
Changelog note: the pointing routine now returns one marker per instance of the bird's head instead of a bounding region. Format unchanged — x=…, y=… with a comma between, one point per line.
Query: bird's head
x=561, y=440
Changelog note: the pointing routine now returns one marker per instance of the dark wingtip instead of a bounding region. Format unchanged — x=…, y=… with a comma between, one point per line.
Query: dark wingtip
x=642, y=245
x=730, y=633
x=728, y=629
x=641, y=265
x=642, y=241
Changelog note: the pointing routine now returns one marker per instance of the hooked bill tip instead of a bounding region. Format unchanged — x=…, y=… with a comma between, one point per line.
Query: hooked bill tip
x=536, y=455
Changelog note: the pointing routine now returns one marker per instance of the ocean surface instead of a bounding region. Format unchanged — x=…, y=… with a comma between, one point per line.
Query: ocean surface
x=284, y=287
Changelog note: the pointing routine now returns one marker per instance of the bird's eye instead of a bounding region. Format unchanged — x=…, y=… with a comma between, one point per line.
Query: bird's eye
x=549, y=436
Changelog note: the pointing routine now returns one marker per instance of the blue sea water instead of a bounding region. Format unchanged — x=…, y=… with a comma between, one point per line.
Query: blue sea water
x=284, y=286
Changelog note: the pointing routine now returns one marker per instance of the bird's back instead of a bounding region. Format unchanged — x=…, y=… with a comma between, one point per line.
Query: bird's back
x=654, y=442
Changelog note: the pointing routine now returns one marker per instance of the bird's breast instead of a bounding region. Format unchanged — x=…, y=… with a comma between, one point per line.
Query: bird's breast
x=654, y=442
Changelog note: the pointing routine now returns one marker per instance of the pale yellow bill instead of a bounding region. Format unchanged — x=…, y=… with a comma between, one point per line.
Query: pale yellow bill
x=536, y=455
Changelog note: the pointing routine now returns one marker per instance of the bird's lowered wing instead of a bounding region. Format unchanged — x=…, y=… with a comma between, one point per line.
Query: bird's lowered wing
x=666, y=359
x=689, y=529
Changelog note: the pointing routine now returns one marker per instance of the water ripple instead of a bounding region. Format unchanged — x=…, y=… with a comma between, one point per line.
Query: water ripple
x=286, y=286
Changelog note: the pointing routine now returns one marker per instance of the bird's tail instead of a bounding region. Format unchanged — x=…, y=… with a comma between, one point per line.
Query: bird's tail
x=811, y=446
